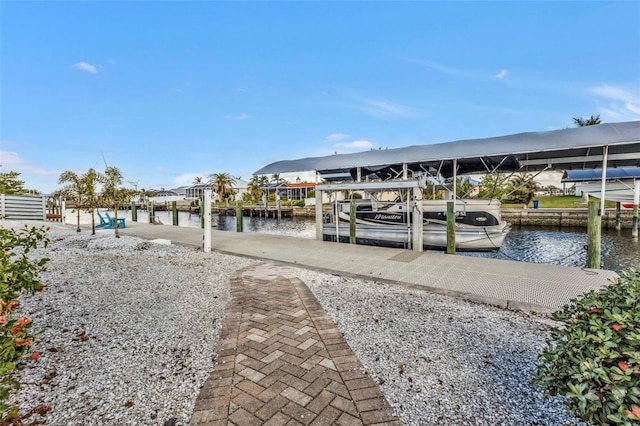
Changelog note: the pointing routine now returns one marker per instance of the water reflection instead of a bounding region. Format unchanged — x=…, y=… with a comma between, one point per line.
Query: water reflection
x=567, y=247
x=536, y=245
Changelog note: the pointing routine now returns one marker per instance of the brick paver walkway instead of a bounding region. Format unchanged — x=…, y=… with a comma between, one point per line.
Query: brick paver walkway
x=282, y=361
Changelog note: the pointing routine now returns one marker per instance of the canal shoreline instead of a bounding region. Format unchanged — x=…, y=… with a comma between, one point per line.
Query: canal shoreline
x=576, y=217
x=542, y=217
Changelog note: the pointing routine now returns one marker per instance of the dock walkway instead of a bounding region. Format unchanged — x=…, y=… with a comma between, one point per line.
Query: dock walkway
x=515, y=285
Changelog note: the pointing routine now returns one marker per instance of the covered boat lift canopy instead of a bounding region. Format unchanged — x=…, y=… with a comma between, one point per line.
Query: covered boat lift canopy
x=577, y=148
x=609, y=145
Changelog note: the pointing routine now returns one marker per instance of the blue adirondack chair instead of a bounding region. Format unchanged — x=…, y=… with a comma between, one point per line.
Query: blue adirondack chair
x=112, y=221
x=104, y=223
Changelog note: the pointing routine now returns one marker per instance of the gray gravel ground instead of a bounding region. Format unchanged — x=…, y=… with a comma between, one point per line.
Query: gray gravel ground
x=129, y=330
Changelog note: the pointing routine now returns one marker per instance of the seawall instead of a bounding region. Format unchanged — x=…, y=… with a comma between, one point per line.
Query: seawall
x=570, y=217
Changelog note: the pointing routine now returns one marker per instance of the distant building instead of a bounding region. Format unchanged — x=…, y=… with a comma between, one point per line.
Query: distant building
x=197, y=191
x=296, y=191
x=163, y=193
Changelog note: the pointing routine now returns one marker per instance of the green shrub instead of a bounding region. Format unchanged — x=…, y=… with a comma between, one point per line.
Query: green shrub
x=18, y=274
x=594, y=360
x=299, y=203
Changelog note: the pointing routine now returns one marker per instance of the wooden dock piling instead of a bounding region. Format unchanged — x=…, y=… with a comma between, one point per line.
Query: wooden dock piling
x=594, y=235
x=451, y=228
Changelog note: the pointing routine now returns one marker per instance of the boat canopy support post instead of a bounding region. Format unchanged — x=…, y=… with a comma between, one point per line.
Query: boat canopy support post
x=205, y=211
x=352, y=222
x=318, y=214
x=636, y=201
x=593, y=236
x=605, y=154
x=418, y=237
x=451, y=213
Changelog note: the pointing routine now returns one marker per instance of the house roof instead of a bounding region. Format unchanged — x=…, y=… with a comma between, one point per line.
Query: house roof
x=301, y=185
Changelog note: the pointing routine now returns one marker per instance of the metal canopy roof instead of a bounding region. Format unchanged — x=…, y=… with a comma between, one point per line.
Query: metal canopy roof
x=596, y=174
x=567, y=149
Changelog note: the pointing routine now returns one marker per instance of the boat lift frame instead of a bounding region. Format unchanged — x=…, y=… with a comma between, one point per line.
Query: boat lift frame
x=414, y=204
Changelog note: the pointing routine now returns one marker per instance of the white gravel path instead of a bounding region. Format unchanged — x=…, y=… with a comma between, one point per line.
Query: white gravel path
x=129, y=330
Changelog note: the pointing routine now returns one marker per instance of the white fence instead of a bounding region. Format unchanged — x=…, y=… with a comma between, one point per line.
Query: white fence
x=23, y=207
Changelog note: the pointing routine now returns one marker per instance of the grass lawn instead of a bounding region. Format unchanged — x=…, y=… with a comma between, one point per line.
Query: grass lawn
x=557, y=202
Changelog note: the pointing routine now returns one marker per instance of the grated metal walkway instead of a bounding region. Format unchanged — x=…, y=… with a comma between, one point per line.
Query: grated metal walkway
x=514, y=285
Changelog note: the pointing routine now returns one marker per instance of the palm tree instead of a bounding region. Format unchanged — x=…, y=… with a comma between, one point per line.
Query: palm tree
x=90, y=179
x=73, y=191
x=113, y=194
x=276, y=178
x=223, y=184
x=591, y=121
x=254, y=187
x=197, y=180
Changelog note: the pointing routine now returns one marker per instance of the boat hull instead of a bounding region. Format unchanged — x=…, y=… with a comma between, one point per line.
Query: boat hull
x=478, y=226
x=468, y=238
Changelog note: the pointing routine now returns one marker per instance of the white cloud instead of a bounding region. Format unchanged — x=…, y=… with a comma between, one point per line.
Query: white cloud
x=444, y=69
x=84, y=66
x=34, y=176
x=186, y=179
x=160, y=169
x=336, y=137
x=623, y=104
x=242, y=116
x=355, y=145
x=13, y=161
x=385, y=110
x=111, y=61
x=502, y=74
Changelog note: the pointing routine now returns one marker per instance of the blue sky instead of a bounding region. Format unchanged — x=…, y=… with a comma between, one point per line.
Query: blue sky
x=168, y=91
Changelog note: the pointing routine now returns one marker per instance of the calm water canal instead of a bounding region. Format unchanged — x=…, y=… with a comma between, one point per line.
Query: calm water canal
x=537, y=245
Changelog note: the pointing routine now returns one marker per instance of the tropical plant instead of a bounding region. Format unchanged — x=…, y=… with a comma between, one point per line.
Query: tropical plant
x=74, y=191
x=197, y=180
x=594, y=358
x=18, y=274
x=223, y=184
x=464, y=186
x=493, y=185
x=255, y=187
x=91, y=199
x=275, y=178
x=521, y=189
x=113, y=194
x=583, y=122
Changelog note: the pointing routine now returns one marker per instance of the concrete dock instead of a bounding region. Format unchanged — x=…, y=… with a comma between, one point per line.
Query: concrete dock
x=514, y=285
